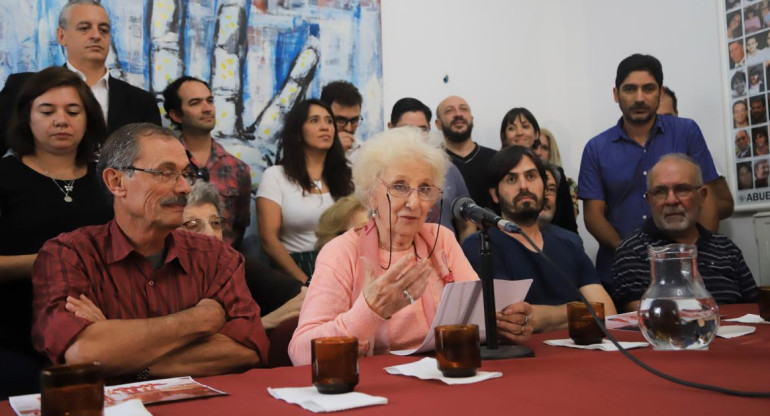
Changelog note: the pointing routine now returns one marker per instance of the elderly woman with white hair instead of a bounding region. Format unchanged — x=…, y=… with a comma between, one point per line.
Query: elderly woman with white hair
x=382, y=282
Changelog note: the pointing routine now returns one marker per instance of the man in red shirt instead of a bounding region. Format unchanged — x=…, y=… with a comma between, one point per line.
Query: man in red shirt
x=137, y=295
x=190, y=105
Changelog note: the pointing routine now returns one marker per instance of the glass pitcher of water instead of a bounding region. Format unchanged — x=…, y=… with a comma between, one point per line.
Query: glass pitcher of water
x=677, y=312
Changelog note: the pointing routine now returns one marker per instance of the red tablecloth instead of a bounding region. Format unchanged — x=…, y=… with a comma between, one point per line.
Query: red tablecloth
x=557, y=381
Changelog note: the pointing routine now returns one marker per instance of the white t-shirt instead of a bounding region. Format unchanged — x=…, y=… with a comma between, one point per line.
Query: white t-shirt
x=300, y=213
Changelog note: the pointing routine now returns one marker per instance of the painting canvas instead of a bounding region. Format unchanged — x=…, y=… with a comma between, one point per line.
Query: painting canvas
x=260, y=57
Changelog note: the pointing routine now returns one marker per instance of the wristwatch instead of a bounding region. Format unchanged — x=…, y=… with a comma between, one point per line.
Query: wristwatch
x=143, y=375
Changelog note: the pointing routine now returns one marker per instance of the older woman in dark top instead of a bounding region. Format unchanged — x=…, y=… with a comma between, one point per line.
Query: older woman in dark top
x=49, y=186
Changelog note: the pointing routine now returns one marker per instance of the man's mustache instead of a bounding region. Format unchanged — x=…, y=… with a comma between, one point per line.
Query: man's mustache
x=177, y=200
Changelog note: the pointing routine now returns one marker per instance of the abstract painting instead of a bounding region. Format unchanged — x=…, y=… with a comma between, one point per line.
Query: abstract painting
x=260, y=57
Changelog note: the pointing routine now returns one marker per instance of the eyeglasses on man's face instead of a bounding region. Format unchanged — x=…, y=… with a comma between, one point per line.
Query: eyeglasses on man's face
x=168, y=175
x=681, y=190
x=341, y=122
x=401, y=189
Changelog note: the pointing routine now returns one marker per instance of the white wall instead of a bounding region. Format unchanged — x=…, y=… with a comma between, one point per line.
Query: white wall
x=558, y=58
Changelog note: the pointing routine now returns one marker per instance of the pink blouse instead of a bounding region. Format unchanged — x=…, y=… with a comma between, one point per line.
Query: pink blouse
x=335, y=305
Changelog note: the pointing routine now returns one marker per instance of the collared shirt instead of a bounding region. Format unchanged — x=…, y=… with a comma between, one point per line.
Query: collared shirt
x=101, y=89
x=720, y=264
x=614, y=170
x=100, y=262
x=513, y=261
x=232, y=178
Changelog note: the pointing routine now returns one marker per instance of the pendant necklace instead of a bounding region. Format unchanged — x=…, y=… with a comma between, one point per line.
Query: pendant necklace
x=68, y=187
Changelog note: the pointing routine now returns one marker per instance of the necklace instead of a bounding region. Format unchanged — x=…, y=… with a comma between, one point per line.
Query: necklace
x=66, y=189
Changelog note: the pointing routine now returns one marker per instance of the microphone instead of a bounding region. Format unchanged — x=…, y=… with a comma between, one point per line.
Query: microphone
x=463, y=208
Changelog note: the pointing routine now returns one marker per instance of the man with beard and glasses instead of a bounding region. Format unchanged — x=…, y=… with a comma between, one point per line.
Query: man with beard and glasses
x=516, y=182
x=615, y=163
x=137, y=295
x=675, y=196
x=454, y=119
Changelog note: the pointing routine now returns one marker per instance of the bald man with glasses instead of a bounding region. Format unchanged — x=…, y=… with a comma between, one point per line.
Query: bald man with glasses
x=675, y=193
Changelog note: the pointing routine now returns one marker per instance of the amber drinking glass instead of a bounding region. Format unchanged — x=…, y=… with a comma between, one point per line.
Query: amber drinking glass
x=72, y=390
x=334, y=364
x=764, y=302
x=583, y=330
x=458, y=351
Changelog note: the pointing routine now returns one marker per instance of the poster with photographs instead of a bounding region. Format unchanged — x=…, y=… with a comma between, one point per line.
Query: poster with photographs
x=747, y=24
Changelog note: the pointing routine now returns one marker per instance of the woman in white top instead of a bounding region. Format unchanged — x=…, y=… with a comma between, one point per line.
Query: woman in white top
x=310, y=174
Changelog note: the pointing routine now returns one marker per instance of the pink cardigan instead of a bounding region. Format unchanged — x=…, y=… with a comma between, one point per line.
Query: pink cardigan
x=335, y=305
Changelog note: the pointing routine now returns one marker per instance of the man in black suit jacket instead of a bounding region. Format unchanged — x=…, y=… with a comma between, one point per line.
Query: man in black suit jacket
x=84, y=31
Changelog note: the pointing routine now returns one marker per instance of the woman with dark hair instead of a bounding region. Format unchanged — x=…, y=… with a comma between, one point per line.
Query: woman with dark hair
x=311, y=173
x=49, y=186
x=520, y=128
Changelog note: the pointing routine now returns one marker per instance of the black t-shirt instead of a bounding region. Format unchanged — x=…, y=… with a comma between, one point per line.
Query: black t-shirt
x=474, y=170
x=32, y=211
x=564, y=215
x=270, y=288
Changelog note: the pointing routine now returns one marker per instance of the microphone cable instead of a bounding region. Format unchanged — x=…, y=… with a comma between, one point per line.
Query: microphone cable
x=628, y=355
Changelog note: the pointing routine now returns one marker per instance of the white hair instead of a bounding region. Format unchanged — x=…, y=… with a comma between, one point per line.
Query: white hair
x=392, y=146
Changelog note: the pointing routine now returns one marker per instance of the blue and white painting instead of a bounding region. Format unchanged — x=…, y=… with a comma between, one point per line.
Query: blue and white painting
x=260, y=57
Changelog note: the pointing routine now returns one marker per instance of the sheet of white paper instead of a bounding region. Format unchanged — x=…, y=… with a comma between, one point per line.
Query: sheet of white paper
x=605, y=345
x=133, y=407
x=463, y=303
x=732, y=331
x=749, y=318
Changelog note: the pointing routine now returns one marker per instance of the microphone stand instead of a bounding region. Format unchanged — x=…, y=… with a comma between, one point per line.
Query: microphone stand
x=493, y=351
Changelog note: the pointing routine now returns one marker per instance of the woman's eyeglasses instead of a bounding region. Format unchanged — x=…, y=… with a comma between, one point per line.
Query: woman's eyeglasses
x=198, y=225
x=424, y=192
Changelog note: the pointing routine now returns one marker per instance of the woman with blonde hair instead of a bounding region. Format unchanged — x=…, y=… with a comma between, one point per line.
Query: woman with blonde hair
x=345, y=214
x=548, y=150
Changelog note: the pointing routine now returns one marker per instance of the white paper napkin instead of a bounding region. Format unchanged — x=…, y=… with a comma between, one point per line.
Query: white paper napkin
x=427, y=369
x=309, y=398
x=606, y=345
x=133, y=407
x=749, y=318
x=732, y=331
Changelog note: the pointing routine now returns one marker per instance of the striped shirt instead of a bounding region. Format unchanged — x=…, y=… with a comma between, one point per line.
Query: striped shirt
x=720, y=264
x=101, y=263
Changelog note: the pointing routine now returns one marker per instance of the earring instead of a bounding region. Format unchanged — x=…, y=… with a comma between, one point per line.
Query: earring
x=372, y=213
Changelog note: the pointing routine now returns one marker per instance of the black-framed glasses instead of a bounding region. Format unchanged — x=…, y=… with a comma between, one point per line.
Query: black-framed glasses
x=341, y=122
x=167, y=175
x=198, y=224
x=400, y=189
x=681, y=190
